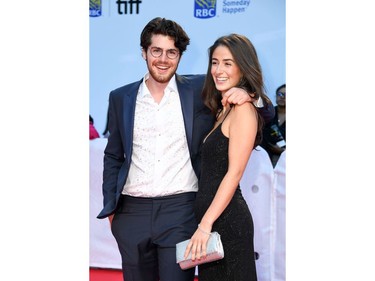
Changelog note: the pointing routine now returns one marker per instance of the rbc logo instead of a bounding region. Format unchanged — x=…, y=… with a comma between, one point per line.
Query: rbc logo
x=95, y=8
x=204, y=9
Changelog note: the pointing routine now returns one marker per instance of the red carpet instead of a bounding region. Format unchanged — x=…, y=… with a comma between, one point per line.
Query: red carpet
x=105, y=274
x=99, y=274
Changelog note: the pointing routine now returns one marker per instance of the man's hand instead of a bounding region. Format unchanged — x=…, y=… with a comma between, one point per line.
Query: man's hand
x=236, y=96
x=110, y=218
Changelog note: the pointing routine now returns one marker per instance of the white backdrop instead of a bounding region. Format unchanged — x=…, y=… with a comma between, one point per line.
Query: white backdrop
x=115, y=56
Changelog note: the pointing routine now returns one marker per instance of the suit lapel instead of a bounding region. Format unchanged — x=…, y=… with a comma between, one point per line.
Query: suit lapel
x=187, y=104
x=129, y=103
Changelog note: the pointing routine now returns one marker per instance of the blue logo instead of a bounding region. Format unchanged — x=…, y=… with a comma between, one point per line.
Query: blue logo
x=204, y=9
x=95, y=8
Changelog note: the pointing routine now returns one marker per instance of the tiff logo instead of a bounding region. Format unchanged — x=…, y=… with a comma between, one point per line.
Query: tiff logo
x=123, y=5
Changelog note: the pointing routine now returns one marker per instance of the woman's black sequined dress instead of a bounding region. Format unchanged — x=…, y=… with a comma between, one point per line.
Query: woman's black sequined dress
x=235, y=225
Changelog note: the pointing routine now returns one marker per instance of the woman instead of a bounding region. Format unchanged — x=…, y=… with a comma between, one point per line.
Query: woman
x=225, y=152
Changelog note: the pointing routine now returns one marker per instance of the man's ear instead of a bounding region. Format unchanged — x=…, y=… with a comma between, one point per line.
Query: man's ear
x=144, y=54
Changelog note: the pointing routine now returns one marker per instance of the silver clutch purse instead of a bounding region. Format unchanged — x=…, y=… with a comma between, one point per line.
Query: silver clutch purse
x=214, y=252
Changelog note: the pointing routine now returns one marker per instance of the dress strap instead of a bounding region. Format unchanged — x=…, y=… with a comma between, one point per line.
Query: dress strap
x=226, y=115
x=218, y=125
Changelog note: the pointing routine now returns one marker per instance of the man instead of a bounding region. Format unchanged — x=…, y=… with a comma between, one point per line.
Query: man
x=152, y=159
x=274, y=136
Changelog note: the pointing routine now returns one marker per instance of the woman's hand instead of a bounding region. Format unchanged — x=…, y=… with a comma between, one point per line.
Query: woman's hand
x=198, y=243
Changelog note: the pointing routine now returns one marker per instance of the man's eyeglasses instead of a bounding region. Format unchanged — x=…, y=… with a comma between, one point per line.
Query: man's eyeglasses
x=280, y=94
x=158, y=52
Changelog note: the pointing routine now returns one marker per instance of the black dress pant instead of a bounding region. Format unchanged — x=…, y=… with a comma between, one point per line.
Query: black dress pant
x=147, y=231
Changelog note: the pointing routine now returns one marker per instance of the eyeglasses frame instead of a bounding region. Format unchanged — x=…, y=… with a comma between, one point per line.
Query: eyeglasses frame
x=162, y=52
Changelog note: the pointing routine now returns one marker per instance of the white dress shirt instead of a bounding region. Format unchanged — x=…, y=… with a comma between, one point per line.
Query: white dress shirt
x=160, y=163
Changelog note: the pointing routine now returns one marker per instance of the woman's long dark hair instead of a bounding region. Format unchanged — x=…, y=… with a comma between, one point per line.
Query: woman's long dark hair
x=245, y=56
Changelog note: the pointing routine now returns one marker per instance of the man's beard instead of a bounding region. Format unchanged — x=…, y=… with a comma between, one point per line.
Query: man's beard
x=161, y=78
x=164, y=78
